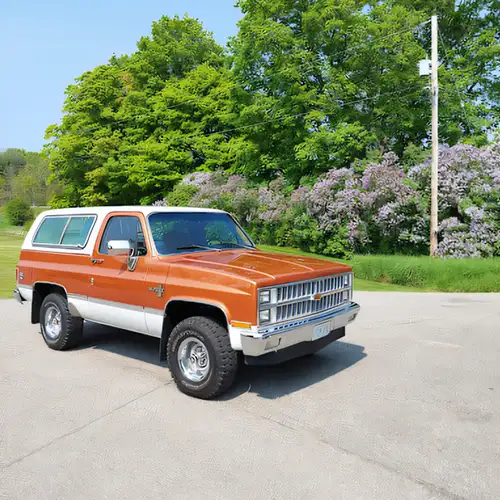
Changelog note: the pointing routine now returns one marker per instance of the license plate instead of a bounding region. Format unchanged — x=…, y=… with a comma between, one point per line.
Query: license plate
x=321, y=330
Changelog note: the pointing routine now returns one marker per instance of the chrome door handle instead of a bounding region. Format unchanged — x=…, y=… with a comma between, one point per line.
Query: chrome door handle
x=97, y=261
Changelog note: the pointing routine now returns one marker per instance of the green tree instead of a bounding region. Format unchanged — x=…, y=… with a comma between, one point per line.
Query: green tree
x=333, y=79
x=18, y=212
x=133, y=127
x=309, y=85
x=31, y=183
x=23, y=174
x=470, y=53
x=11, y=162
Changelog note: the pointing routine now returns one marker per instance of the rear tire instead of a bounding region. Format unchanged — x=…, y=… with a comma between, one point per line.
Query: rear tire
x=60, y=330
x=200, y=357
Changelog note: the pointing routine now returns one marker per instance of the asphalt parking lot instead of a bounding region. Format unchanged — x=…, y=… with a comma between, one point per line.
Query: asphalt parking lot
x=407, y=406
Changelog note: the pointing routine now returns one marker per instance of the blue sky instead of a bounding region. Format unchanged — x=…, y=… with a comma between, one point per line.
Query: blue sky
x=44, y=45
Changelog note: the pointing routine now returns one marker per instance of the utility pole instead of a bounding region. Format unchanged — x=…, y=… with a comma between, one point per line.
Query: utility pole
x=435, y=137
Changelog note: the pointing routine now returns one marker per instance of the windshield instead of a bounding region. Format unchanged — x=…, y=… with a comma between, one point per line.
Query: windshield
x=181, y=232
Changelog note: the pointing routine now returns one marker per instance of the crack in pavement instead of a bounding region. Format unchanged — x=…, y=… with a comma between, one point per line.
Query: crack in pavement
x=430, y=487
x=78, y=429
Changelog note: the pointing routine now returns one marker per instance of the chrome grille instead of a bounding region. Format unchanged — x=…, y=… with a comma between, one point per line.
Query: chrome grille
x=308, y=306
x=296, y=300
x=308, y=288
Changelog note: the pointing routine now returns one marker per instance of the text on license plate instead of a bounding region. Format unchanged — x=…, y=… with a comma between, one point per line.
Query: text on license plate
x=321, y=330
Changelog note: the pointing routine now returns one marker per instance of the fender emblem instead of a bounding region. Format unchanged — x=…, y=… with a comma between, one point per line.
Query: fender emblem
x=158, y=289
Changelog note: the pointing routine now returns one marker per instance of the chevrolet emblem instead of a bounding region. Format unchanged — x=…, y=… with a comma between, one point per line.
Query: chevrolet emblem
x=317, y=296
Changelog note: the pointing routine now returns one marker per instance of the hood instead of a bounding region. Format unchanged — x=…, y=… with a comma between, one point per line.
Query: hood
x=263, y=268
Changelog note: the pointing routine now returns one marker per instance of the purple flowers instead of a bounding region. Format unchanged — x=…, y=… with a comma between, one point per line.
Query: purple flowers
x=381, y=209
x=197, y=179
x=161, y=203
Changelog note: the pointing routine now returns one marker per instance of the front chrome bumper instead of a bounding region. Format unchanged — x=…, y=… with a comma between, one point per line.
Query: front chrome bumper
x=282, y=336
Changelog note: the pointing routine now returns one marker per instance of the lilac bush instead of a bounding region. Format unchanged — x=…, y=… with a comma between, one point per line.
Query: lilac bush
x=379, y=208
x=474, y=237
x=468, y=181
x=373, y=205
x=161, y=203
x=197, y=179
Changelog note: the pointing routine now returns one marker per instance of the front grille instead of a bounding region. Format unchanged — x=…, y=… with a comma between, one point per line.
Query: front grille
x=307, y=288
x=308, y=306
x=296, y=300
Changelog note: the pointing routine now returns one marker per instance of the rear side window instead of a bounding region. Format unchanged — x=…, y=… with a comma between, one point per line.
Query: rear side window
x=77, y=231
x=50, y=231
x=64, y=231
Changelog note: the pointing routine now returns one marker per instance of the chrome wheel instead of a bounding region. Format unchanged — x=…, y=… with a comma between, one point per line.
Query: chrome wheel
x=53, y=320
x=193, y=359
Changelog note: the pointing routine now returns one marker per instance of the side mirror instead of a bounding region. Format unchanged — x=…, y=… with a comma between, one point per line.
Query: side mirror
x=124, y=247
x=119, y=247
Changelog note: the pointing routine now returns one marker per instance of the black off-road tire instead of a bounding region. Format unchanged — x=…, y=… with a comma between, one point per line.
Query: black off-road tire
x=71, y=326
x=223, y=359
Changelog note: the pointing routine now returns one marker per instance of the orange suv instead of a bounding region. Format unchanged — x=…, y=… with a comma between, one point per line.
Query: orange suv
x=192, y=278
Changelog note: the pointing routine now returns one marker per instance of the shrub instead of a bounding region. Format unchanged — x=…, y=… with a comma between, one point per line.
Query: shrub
x=27, y=225
x=182, y=195
x=377, y=206
x=18, y=212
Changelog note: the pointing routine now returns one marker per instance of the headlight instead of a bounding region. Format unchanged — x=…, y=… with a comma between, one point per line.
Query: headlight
x=265, y=316
x=265, y=296
x=347, y=279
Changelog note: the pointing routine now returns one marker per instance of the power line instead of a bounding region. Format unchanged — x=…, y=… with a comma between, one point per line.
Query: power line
x=370, y=41
x=459, y=94
x=235, y=85
x=273, y=120
x=149, y=113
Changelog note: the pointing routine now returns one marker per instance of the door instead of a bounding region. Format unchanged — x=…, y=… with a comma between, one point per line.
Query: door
x=117, y=295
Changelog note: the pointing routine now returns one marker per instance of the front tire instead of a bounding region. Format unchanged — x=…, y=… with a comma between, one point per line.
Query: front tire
x=60, y=330
x=200, y=357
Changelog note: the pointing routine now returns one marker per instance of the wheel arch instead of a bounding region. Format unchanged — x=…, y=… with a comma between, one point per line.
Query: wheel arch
x=40, y=290
x=179, y=308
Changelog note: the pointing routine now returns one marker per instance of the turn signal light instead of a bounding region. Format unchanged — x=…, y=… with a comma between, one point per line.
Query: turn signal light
x=240, y=324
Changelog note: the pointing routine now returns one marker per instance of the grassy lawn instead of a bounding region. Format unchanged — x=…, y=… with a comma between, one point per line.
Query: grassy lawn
x=359, y=283
x=402, y=273
x=9, y=253
x=382, y=273
x=11, y=239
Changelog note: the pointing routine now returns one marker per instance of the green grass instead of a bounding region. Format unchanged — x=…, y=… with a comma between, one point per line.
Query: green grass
x=359, y=283
x=9, y=253
x=10, y=246
x=402, y=273
x=445, y=275
x=378, y=273
x=3, y=220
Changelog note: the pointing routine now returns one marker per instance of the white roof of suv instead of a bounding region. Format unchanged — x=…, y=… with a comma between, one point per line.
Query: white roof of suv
x=146, y=210
x=99, y=213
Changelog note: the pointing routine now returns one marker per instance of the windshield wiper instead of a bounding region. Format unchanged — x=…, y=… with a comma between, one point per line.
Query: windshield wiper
x=237, y=244
x=191, y=247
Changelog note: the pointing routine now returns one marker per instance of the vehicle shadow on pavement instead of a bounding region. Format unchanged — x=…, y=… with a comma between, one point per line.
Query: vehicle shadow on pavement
x=122, y=342
x=273, y=382
x=270, y=382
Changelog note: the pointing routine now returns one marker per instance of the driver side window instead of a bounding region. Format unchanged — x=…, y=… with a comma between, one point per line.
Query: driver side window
x=124, y=227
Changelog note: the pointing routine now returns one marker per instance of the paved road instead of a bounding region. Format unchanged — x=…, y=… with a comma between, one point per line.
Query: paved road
x=408, y=406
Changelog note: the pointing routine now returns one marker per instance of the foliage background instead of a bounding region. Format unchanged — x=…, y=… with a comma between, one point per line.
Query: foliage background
x=312, y=125
x=382, y=208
